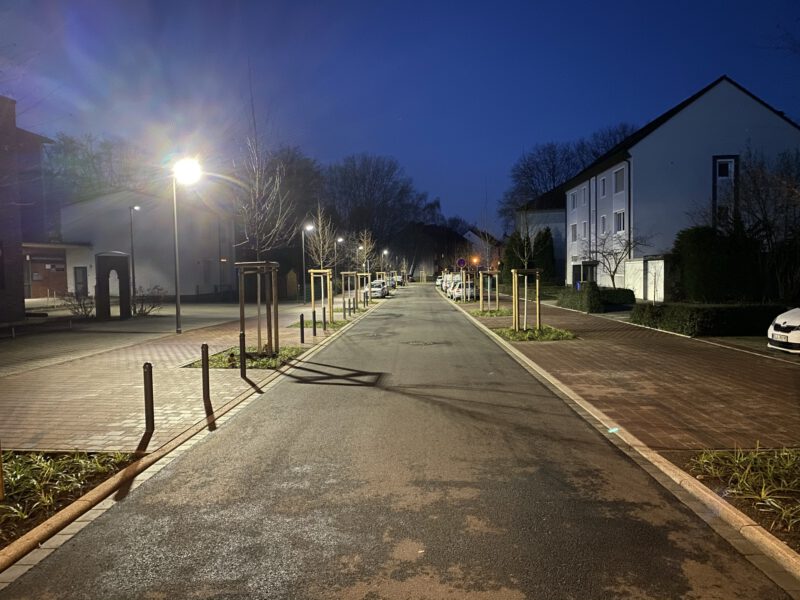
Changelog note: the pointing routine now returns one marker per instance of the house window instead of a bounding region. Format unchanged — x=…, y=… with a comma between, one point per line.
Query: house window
x=583, y=196
x=574, y=232
x=584, y=230
x=573, y=199
x=724, y=188
x=619, y=181
x=619, y=221
x=602, y=187
x=602, y=224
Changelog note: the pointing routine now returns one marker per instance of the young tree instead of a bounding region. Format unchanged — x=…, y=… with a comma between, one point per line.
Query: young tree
x=364, y=250
x=612, y=250
x=320, y=244
x=264, y=206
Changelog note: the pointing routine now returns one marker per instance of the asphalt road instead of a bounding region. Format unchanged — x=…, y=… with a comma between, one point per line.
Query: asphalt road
x=411, y=458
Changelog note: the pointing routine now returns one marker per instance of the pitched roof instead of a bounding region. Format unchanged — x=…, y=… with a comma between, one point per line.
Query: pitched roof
x=620, y=151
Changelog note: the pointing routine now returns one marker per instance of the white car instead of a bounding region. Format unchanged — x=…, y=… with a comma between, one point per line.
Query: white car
x=784, y=333
x=378, y=289
x=438, y=283
x=456, y=292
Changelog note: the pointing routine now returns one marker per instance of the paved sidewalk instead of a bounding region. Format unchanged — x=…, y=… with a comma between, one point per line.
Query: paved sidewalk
x=671, y=392
x=83, y=389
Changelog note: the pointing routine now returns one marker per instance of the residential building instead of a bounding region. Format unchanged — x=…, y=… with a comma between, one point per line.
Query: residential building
x=20, y=186
x=547, y=211
x=681, y=166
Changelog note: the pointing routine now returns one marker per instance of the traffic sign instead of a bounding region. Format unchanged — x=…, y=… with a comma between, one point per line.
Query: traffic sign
x=461, y=263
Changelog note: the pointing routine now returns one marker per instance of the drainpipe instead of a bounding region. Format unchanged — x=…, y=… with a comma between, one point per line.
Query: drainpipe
x=630, y=212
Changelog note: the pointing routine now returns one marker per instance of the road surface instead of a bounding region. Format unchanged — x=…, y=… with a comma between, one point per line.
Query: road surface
x=410, y=458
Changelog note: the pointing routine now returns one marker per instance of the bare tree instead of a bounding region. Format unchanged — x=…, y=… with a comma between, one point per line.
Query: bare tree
x=365, y=249
x=264, y=207
x=612, y=250
x=321, y=241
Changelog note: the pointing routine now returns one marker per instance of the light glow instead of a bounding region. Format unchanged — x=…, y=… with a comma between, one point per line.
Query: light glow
x=309, y=227
x=187, y=171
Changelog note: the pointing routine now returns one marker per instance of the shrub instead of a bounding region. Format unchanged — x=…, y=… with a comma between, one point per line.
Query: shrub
x=617, y=296
x=147, y=301
x=79, y=306
x=545, y=334
x=707, y=319
x=587, y=299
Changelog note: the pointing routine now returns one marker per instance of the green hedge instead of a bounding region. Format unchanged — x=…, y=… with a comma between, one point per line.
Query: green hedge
x=617, y=296
x=587, y=299
x=708, y=319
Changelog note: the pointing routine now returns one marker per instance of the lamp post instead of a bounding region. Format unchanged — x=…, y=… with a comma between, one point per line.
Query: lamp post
x=364, y=264
x=133, y=263
x=339, y=240
x=186, y=172
x=383, y=262
x=308, y=227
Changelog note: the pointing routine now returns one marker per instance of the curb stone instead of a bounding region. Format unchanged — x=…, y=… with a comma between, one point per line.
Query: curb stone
x=782, y=565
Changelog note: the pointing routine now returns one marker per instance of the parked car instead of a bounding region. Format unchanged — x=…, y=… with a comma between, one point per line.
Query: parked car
x=458, y=291
x=378, y=289
x=784, y=333
x=438, y=283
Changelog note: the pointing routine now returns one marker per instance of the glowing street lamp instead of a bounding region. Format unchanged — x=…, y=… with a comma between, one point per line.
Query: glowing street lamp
x=339, y=240
x=186, y=171
x=133, y=264
x=309, y=227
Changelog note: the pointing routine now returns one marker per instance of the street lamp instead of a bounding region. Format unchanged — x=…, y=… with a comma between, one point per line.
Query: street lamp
x=309, y=228
x=339, y=240
x=186, y=171
x=364, y=264
x=383, y=262
x=133, y=264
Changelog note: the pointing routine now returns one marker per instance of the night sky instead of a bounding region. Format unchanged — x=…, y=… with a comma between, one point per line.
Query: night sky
x=455, y=91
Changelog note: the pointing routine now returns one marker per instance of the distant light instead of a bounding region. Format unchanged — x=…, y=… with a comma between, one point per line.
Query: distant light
x=137, y=208
x=223, y=260
x=361, y=247
x=385, y=252
x=187, y=171
x=309, y=227
x=340, y=240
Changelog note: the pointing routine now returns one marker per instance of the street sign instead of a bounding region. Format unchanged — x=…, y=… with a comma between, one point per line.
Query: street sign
x=461, y=263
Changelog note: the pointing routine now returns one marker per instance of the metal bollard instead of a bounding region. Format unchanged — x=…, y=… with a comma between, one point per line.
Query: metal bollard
x=242, y=356
x=349, y=307
x=302, y=329
x=204, y=364
x=344, y=307
x=324, y=321
x=149, y=417
x=314, y=322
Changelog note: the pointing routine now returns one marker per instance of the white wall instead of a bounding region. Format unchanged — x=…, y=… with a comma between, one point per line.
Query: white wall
x=672, y=167
x=645, y=278
x=79, y=257
x=203, y=236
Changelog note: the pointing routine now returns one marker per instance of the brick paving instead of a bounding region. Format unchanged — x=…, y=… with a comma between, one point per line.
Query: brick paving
x=83, y=389
x=671, y=392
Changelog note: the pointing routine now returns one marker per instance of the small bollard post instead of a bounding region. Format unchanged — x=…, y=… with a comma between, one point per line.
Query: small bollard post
x=324, y=322
x=302, y=329
x=314, y=322
x=344, y=307
x=204, y=364
x=350, y=307
x=149, y=417
x=242, y=356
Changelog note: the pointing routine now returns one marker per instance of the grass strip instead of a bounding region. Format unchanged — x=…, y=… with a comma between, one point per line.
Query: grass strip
x=765, y=480
x=545, y=334
x=332, y=326
x=500, y=312
x=229, y=359
x=38, y=485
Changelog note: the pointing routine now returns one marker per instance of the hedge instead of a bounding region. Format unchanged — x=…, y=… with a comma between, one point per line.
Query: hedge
x=617, y=296
x=587, y=299
x=708, y=319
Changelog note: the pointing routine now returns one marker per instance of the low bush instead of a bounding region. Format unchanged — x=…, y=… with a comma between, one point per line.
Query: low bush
x=545, y=334
x=500, y=312
x=229, y=359
x=78, y=306
x=707, y=319
x=587, y=299
x=146, y=301
x=617, y=296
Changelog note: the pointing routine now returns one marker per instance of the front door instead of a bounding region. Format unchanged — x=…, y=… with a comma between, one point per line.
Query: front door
x=81, y=282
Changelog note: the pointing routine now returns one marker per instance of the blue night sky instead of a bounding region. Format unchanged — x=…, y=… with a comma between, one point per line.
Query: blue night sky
x=455, y=91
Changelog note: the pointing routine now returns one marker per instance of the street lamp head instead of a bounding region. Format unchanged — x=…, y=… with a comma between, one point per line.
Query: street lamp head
x=309, y=227
x=361, y=247
x=385, y=252
x=187, y=171
x=137, y=207
x=339, y=240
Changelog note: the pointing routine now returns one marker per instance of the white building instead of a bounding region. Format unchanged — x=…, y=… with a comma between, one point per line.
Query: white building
x=684, y=163
x=111, y=223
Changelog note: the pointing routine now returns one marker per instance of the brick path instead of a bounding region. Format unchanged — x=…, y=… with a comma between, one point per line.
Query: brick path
x=83, y=389
x=673, y=393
